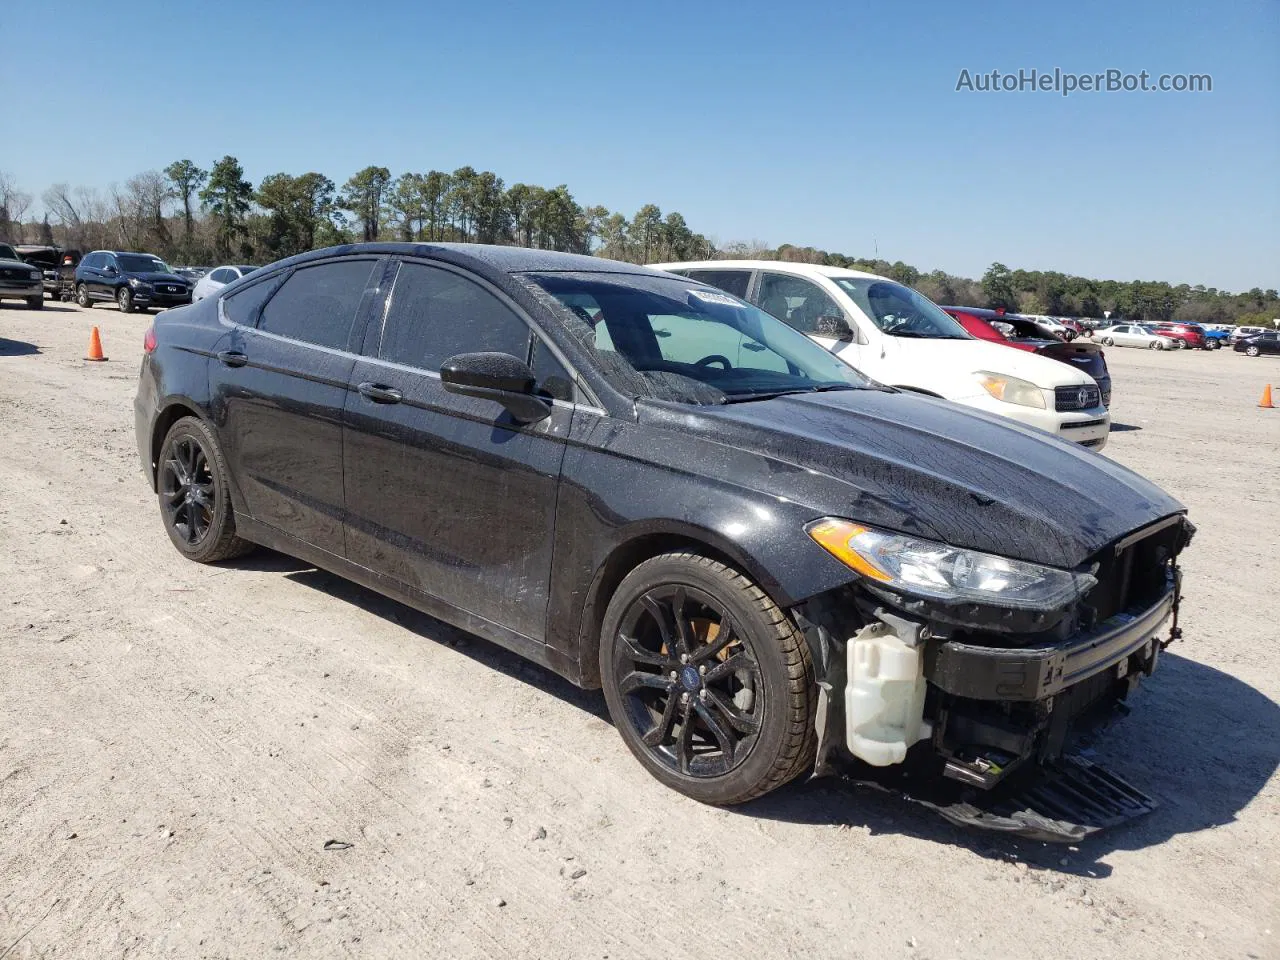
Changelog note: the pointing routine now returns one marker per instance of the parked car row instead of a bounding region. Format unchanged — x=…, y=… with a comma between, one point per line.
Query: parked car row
x=899, y=337
x=679, y=492
x=1022, y=333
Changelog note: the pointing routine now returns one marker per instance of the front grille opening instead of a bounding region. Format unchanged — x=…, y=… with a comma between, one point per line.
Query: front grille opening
x=1136, y=577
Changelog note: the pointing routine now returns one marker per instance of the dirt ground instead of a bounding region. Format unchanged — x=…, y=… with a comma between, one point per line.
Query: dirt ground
x=179, y=744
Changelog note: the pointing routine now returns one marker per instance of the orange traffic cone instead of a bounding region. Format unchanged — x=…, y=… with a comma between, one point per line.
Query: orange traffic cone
x=1266, y=397
x=95, y=346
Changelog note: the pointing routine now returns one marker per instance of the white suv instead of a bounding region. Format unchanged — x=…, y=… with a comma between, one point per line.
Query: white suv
x=901, y=338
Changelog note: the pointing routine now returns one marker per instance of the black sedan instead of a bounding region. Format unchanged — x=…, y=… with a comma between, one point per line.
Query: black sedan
x=767, y=561
x=1259, y=344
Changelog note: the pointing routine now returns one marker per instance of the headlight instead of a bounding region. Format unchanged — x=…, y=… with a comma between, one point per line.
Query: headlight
x=1011, y=389
x=36, y=275
x=139, y=284
x=924, y=568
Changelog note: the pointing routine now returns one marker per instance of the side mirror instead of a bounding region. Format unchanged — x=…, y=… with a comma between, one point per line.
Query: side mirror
x=835, y=327
x=499, y=377
x=110, y=269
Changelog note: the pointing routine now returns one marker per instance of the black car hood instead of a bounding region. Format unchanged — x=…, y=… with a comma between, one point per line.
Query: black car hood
x=930, y=467
x=161, y=278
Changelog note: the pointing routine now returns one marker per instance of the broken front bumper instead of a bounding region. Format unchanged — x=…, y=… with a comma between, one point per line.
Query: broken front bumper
x=1024, y=674
x=983, y=734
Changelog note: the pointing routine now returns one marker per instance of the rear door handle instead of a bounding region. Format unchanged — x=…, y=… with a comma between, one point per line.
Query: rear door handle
x=379, y=392
x=233, y=358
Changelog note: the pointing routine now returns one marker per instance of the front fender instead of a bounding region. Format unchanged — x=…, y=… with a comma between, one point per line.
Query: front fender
x=616, y=510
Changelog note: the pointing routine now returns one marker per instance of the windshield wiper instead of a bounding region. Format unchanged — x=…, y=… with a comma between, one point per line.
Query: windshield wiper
x=770, y=394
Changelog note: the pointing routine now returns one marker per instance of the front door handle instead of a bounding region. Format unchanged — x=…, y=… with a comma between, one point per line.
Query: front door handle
x=233, y=358
x=379, y=392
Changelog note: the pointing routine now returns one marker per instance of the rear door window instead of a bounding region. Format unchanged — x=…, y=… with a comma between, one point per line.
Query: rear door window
x=731, y=281
x=318, y=304
x=435, y=314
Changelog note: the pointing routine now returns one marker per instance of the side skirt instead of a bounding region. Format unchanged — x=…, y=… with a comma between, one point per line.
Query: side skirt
x=517, y=643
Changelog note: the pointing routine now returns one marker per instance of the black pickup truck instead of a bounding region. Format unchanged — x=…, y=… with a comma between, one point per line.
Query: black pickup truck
x=56, y=264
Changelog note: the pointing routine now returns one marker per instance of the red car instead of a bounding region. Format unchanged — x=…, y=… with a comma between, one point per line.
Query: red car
x=1186, y=334
x=1080, y=353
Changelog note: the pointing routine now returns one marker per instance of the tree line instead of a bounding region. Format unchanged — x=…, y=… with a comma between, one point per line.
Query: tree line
x=189, y=214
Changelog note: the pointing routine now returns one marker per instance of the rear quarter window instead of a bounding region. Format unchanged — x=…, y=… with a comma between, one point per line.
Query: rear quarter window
x=242, y=307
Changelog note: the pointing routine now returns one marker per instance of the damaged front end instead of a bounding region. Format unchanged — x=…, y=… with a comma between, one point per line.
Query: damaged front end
x=972, y=704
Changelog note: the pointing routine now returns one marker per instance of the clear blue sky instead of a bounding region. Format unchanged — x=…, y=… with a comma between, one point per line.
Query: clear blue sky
x=833, y=124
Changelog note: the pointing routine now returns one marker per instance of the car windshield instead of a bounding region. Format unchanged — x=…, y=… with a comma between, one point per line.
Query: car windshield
x=678, y=340
x=7, y=252
x=245, y=271
x=899, y=311
x=142, y=263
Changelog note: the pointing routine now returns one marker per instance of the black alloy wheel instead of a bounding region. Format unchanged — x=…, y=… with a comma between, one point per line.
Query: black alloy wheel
x=187, y=490
x=707, y=680
x=191, y=485
x=691, y=686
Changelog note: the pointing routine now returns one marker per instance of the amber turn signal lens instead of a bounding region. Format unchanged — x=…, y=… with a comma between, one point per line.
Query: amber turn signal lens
x=834, y=536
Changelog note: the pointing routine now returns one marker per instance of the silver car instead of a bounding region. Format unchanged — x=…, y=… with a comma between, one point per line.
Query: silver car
x=1133, y=335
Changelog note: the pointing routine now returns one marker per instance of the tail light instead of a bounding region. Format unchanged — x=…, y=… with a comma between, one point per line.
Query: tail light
x=149, y=340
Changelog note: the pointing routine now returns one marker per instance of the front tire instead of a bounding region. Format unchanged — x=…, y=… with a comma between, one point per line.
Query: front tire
x=1155, y=345
x=192, y=487
x=35, y=303
x=709, y=683
x=82, y=297
x=1251, y=351
x=124, y=299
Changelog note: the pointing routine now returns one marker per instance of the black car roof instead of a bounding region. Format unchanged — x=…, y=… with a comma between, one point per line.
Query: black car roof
x=484, y=256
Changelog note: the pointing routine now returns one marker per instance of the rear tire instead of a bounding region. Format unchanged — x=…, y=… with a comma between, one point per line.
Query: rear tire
x=1108, y=342
x=708, y=682
x=193, y=489
x=82, y=297
x=1251, y=350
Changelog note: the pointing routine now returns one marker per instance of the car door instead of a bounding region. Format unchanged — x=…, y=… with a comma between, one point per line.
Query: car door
x=448, y=495
x=91, y=274
x=1125, y=337
x=108, y=277
x=278, y=388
